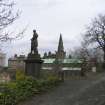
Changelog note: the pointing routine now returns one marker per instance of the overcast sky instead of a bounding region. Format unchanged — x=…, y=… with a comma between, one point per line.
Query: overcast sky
x=50, y=18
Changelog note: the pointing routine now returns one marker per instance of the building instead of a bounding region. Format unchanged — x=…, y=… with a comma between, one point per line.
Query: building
x=69, y=65
x=60, y=54
x=17, y=62
x=51, y=61
x=2, y=59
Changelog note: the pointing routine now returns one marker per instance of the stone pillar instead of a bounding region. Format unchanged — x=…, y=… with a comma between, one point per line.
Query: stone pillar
x=33, y=67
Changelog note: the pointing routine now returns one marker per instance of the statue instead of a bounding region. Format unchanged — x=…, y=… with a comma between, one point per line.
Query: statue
x=33, y=62
x=34, y=43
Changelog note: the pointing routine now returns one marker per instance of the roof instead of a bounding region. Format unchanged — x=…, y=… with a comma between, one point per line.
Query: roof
x=72, y=61
x=17, y=58
x=50, y=61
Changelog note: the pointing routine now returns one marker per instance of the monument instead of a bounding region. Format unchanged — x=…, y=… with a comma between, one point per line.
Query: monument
x=33, y=62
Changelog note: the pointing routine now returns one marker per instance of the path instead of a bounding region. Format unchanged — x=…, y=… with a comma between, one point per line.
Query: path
x=73, y=92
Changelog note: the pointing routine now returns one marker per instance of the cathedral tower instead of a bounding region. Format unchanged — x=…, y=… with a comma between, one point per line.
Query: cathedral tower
x=60, y=52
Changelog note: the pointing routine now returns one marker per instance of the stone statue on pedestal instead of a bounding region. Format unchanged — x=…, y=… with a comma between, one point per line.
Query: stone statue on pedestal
x=34, y=47
x=33, y=62
x=34, y=43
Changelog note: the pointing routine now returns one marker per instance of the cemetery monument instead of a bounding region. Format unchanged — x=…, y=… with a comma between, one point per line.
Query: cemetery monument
x=33, y=62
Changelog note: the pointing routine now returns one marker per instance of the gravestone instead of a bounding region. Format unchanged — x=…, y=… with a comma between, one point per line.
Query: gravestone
x=33, y=62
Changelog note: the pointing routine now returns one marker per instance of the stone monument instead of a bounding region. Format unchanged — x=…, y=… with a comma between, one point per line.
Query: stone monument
x=33, y=62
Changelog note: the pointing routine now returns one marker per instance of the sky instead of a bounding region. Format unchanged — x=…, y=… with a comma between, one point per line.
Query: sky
x=50, y=18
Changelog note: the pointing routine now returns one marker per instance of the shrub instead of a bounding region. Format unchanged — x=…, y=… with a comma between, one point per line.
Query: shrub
x=7, y=96
x=14, y=92
x=20, y=75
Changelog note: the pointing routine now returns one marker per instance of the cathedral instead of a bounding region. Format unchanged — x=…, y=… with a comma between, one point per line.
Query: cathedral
x=60, y=54
x=69, y=65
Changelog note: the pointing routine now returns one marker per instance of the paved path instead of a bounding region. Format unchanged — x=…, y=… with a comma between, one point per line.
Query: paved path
x=73, y=92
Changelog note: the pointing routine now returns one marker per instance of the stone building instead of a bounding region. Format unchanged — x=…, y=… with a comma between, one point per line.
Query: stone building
x=49, y=55
x=60, y=54
x=2, y=59
x=68, y=65
x=17, y=62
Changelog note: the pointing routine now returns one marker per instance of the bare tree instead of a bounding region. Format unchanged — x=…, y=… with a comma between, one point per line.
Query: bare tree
x=8, y=17
x=96, y=33
x=81, y=52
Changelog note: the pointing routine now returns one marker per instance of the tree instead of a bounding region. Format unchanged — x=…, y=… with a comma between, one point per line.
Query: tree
x=81, y=52
x=7, y=18
x=95, y=33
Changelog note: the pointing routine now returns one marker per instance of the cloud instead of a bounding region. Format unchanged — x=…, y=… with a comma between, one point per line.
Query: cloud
x=54, y=16
x=41, y=4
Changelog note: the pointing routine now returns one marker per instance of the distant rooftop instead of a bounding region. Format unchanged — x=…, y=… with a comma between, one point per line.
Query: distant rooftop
x=49, y=61
x=20, y=57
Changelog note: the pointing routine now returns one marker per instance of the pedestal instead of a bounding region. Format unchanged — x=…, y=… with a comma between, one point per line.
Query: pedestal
x=33, y=66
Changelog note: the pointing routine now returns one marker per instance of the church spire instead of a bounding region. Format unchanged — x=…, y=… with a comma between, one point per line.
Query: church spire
x=60, y=46
x=60, y=53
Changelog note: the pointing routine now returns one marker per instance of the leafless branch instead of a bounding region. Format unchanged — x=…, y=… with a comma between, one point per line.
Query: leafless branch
x=8, y=17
